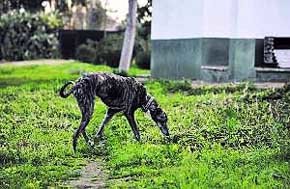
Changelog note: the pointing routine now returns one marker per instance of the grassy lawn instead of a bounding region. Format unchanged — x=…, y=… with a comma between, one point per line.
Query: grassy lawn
x=218, y=140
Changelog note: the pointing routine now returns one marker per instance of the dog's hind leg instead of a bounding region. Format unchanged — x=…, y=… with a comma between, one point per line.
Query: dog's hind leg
x=109, y=114
x=83, y=124
x=86, y=108
x=132, y=122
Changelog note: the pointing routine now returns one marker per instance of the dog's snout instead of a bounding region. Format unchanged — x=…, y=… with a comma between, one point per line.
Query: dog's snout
x=163, y=128
x=166, y=133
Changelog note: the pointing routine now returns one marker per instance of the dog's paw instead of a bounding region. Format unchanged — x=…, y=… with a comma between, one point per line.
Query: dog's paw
x=98, y=137
x=91, y=143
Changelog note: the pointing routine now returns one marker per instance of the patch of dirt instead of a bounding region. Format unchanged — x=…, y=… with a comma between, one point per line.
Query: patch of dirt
x=259, y=85
x=265, y=85
x=91, y=176
x=36, y=62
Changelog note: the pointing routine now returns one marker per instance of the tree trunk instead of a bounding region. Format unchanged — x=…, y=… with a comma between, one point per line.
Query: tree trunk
x=128, y=43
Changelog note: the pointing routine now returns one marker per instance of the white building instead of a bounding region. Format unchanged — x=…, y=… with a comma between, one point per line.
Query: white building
x=215, y=40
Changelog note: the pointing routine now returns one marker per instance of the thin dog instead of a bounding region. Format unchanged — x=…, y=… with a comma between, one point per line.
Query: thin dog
x=120, y=94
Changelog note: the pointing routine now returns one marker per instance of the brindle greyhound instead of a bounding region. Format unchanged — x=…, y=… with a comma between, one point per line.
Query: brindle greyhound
x=120, y=94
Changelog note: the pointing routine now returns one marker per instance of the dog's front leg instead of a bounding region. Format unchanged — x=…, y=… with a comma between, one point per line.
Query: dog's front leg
x=132, y=122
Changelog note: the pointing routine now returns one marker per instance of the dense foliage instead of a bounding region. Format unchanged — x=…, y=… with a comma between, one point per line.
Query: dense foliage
x=87, y=52
x=143, y=59
x=221, y=137
x=25, y=36
x=34, y=6
x=144, y=16
x=107, y=51
x=8, y=5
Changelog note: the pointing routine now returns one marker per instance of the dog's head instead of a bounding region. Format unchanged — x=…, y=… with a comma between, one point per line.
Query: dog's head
x=159, y=116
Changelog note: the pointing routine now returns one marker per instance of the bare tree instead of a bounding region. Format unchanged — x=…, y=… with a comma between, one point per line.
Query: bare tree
x=128, y=43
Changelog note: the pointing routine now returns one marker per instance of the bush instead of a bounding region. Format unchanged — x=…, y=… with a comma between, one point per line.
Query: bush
x=143, y=59
x=107, y=51
x=87, y=52
x=143, y=53
x=53, y=20
x=25, y=36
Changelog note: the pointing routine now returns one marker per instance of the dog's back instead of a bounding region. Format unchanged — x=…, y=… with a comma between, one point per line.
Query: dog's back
x=114, y=90
x=120, y=91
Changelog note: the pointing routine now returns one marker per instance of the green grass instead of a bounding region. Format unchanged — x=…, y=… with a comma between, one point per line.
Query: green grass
x=218, y=140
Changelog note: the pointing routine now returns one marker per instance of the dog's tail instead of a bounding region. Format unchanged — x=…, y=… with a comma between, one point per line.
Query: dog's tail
x=62, y=93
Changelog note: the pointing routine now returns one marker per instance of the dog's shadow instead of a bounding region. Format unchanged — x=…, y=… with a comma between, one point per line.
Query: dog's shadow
x=98, y=149
x=157, y=141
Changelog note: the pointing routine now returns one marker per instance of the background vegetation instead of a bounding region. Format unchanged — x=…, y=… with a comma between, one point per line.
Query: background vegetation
x=29, y=31
x=107, y=51
x=222, y=137
x=26, y=36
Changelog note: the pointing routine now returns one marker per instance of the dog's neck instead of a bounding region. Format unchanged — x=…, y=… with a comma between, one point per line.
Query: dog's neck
x=147, y=103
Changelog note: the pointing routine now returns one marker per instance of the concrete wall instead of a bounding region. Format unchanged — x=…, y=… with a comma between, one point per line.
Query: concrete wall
x=177, y=19
x=180, y=19
x=242, y=59
x=260, y=18
x=189, y=34
x=215, y=51
x=219, y=18
x=176, y=59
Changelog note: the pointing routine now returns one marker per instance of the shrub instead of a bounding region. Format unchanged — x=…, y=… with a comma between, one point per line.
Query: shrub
x=143, y=59
x=53, y=20
x=25, y=36
x=143, y=53
x=87, y=52
x=107, y=51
